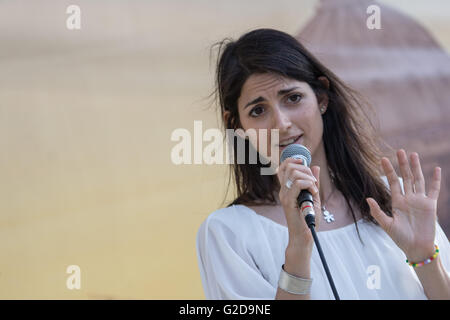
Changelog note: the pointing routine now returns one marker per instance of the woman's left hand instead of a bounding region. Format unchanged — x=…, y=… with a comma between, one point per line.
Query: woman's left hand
x=413, y=223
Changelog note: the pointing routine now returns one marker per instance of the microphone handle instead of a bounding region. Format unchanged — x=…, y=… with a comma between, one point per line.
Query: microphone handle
x=305, y=202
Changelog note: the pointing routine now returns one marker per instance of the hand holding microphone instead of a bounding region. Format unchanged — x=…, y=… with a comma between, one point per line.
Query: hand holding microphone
x=299, y=192
x=299, y=195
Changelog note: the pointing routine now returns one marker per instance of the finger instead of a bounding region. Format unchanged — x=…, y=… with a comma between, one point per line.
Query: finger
x=375, y=211
x=300, y=185
x=405, y=170
x=289, y=161
x=297, y=186
x=435, y=184
x=419, y=180
x=391, y=175
x=281, y=171
x=285, y=164
x=298, y=175
x=316, y=173
x=317, y=204
x=292, y=167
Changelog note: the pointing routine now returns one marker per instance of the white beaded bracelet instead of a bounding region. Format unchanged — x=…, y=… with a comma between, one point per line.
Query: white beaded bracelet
x=293, y=284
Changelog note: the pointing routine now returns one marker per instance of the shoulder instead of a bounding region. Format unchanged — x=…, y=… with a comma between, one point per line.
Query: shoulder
x=230, y=220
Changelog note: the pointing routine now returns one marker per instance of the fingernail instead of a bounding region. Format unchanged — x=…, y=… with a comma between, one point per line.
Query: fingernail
x=315, y=179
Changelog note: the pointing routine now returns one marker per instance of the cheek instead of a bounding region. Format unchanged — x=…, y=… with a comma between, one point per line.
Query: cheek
x=315, y=130
x=318, y=123
x=310, y=119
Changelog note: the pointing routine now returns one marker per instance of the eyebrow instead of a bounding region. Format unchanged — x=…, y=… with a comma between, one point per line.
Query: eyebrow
x=260, y=99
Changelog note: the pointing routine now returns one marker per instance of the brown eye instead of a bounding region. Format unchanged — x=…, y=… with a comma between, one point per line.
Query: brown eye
x=252, y=112
x=296, y=96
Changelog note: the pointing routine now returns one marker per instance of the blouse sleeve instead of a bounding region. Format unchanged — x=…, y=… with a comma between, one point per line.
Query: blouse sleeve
x=227, y=269
x=444, y=247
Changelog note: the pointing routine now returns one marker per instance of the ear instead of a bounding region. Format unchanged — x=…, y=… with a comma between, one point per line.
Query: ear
x=323, y=100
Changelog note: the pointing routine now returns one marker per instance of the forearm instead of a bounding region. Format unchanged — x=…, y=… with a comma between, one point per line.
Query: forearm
x=297, y=263
x=435, y=279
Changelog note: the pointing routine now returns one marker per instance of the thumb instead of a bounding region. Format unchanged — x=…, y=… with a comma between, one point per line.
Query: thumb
x=375, y=211
x=316, y=173
x=316, y=197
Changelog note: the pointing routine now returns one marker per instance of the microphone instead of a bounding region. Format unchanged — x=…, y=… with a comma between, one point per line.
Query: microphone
x=306, y=204
x=304, y=200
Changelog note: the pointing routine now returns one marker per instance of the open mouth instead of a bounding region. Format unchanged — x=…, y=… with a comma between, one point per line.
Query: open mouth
x=293, y=142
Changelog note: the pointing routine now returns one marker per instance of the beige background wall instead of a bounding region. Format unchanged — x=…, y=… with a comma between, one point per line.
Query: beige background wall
x=85, y=122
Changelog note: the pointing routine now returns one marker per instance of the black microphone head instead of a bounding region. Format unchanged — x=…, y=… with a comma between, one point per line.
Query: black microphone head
x=297, y=151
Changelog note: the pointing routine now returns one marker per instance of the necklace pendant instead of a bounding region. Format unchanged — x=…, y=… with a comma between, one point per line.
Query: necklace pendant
x=327, y=215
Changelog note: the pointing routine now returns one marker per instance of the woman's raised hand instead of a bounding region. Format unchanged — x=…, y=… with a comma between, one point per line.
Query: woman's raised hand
x=413, y=222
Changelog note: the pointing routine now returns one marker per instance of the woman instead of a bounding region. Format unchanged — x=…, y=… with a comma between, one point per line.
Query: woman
x=259, y=246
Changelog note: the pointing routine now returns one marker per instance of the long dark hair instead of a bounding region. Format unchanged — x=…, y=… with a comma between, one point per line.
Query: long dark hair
x=351, y=144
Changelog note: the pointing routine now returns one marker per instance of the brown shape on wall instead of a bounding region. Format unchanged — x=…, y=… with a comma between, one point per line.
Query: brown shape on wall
x=401, y=70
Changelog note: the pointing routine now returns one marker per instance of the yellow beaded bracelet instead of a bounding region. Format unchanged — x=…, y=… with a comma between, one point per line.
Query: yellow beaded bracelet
x=427, y=261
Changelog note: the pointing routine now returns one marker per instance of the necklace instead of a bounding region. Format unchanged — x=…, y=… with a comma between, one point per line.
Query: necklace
x=326, y=214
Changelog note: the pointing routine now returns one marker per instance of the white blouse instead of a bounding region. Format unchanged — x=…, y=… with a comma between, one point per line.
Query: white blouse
x=240, y=254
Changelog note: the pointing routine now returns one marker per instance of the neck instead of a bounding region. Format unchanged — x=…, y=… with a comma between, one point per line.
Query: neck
x=326, y=184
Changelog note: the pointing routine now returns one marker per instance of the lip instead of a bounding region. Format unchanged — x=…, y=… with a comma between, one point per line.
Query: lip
x=296, y=141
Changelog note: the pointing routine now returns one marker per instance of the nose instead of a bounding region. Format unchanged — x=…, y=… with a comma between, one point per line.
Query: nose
x=281, y=120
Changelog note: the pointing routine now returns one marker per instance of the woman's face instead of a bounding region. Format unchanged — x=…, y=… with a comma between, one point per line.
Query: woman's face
x=271, y=101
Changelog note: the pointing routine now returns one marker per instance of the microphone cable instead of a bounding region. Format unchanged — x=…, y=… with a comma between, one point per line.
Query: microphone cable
x=309, y=218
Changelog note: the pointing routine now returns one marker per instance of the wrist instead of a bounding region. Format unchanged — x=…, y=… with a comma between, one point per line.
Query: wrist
x=434, y=279
x=420, y=255
x=420, y=261
x=299, y=249
x=294, y=284
x=302, y=241
x=298, y=261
